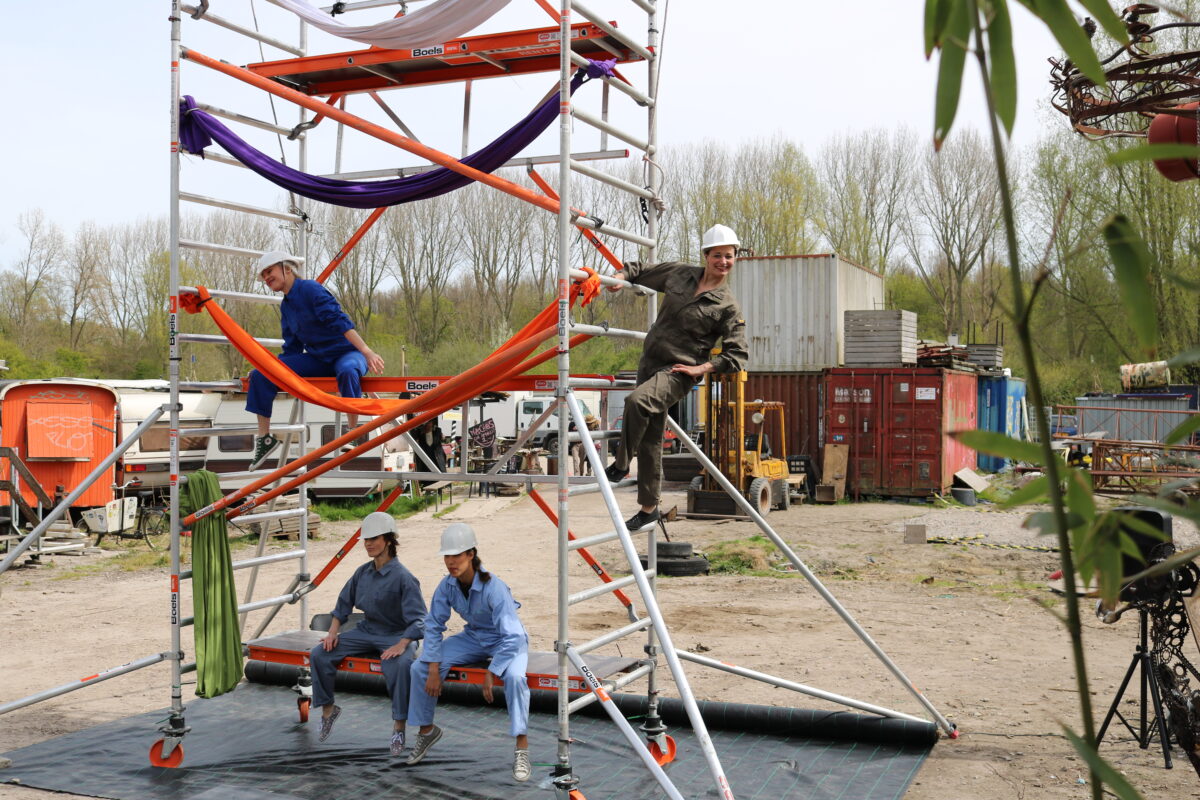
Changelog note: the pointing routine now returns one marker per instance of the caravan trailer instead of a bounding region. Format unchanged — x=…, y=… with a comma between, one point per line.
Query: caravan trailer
x=233, y=452
x=148, y=459
x=62, y=429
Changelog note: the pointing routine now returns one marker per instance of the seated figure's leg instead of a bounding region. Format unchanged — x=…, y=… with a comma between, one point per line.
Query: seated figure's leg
x=462, y=648
x=323, y=663
x=516, y=694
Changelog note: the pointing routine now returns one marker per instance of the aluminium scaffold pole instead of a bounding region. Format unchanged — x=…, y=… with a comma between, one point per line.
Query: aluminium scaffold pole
x=813, y=580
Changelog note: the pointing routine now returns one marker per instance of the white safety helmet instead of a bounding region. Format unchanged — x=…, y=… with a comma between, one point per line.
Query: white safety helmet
x=459, y=537
x=377, y=523
x=718, y=235
x=273, y=257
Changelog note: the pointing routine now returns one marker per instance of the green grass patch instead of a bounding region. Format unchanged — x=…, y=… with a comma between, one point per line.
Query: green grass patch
x=132, y=559
x=354, y=509
x=755, y=556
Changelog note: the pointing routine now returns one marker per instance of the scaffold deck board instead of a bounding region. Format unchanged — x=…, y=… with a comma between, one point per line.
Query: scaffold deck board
x=292, y=648
x=467, y=58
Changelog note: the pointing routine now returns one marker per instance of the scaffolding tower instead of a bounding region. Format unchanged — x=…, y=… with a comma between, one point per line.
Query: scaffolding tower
x=578, y=34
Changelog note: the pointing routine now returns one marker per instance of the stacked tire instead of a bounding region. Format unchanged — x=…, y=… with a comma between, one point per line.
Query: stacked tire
x=677, y=559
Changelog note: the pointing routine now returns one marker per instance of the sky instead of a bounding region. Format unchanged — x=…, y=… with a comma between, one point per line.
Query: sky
x=85, y=126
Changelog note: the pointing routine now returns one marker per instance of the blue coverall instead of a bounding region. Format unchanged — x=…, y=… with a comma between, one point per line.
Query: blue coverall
x=391, y=601
x=314, y=345
x=493, y=629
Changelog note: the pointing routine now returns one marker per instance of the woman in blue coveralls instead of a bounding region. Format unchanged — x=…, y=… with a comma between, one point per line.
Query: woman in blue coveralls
x=394, y=619
x=318, y=340
x=492, y=630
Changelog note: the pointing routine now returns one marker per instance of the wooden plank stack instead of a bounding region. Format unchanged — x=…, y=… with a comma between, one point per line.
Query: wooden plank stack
x=949, y=356
x=880, y=338
x=286, y=527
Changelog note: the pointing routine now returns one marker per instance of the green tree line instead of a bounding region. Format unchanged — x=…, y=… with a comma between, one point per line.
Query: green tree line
x=437, y=285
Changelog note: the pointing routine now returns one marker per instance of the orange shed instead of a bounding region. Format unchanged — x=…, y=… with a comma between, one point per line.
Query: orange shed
x=62, y=429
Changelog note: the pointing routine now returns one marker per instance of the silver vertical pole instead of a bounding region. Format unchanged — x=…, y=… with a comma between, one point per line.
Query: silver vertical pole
x=654, y=179
x=174, y=728
x=564, y=780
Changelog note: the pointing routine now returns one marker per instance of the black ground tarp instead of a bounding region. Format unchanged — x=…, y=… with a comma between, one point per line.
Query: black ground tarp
x=249, y=745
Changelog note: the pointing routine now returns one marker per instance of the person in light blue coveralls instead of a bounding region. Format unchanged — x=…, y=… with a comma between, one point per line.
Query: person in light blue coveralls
x=394, y=619
x=318, y=340
x=493, y=630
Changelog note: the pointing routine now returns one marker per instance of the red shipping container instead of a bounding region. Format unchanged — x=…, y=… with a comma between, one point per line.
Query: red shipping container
x=896, y=421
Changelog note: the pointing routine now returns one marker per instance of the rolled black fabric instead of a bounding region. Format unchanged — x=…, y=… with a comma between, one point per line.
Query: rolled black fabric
x=775, y=720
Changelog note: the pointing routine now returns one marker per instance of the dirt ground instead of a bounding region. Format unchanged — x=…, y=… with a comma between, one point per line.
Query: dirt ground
x=966, y=623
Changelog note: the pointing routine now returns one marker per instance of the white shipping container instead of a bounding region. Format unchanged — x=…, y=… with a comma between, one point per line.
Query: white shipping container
x=794, y=308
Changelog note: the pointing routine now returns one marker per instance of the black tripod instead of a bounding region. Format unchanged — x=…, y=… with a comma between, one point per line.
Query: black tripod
x=1144, y=733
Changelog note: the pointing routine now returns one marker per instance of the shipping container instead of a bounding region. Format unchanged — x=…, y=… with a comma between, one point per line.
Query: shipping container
x=897, y=422
x=1131, y=417
x=1000, y=402
x=801, y=395
x=794, y=308
x=62, y=429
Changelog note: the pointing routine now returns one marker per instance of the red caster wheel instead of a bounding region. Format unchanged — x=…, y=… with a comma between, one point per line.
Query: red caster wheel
x=302, y=704
x=576, y=795
x=171, y=761
x=663, y=758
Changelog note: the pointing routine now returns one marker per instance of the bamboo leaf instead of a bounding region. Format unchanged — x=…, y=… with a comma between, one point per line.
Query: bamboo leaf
x=1153, y=152
x=997, y=444
x=1183, y=432
x=1108, y=776
x=1080, y=499
x=950, y=69
x=1103, y=13
x=937, y=12
x=1166, y=565
x=1071, y=36
x=1132, y=260
x=1183, y=359
x=1003, y=64
x=1033, y=492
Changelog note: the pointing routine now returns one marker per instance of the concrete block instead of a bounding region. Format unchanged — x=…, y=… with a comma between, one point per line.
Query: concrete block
x=914, y=533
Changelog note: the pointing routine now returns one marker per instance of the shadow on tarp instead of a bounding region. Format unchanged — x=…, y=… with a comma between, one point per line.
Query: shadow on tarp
x=250, y=745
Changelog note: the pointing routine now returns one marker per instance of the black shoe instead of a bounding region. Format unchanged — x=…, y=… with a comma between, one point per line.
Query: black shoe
x=263, y=447
x=615, y=473
x=641, y=519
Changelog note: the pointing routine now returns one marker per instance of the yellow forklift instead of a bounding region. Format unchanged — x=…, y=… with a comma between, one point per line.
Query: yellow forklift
x=737, y=442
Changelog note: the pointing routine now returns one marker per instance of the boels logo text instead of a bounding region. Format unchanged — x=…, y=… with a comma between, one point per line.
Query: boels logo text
x=420, y=386
x=436, y=50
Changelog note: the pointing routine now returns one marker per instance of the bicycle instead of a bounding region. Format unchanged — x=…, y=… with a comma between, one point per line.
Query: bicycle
x=149, y=520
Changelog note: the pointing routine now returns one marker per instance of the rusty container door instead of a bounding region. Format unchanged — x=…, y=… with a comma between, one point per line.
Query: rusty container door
x=853, y=416
x=801, y=395
x=922, y=407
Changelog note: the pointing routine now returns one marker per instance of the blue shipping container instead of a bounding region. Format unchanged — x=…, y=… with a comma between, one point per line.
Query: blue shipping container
x=1000, y=403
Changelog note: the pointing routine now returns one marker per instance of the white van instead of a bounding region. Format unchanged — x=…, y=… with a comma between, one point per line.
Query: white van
x=233, y=452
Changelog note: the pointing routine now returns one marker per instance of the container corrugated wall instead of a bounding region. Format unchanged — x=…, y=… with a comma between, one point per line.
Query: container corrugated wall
x=802, y=398
x=793, y=306
x=1000, y=401
x=897, y=422
x=1131, y=417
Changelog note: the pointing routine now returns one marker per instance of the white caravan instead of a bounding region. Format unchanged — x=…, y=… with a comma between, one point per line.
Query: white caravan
x=232, y=452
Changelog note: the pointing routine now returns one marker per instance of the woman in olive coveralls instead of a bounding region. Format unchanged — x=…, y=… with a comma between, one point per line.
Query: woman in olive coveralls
x=698, y=310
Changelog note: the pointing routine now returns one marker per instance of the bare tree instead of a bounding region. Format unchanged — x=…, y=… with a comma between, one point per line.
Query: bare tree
x=83, y=266
x=28, y=288
x=868, y=179
x=956, y=214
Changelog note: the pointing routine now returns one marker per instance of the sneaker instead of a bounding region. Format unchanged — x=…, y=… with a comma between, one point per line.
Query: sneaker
x=263, y=445
x=397, y=742
x=521, y=768
x=641, y=519
x=327, y=723
x=423, y=743
x=615, y=473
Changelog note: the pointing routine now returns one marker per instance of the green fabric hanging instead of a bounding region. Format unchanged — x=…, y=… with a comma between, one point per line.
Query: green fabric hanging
x=214, y=598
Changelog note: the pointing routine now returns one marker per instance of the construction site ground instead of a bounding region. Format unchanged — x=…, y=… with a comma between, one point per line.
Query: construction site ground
x=975, y=627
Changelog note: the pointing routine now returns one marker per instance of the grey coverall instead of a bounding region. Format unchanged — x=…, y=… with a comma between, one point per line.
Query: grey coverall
x=687, y=329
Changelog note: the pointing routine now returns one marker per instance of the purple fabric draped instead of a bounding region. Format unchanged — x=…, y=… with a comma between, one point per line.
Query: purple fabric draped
x=198, y=130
